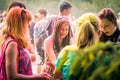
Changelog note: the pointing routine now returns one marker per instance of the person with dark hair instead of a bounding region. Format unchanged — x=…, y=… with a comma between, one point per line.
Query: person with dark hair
x=39, y=24
x=109, y=28
x=11, y=5
x=57, y=41
x=43, y=12
x=16, y=4
x=65, y=8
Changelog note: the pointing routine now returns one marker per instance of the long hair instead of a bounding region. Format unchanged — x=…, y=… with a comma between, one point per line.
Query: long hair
x=88, y=27
x=15, y=26
x=86, y=35
x=56, y=32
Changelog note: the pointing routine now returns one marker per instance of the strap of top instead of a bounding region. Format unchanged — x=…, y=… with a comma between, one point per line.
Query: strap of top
x=4, y=49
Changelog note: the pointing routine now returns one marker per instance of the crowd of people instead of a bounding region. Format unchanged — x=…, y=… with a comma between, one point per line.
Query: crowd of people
x=21, y=32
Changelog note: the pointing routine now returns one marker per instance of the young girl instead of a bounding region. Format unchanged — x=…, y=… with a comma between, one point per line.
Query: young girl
x=58, y=40
x=109, y=28
x=15, y=62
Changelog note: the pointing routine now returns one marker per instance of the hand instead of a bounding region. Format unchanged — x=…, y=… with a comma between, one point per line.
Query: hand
x=45, y=76
x=33, y=57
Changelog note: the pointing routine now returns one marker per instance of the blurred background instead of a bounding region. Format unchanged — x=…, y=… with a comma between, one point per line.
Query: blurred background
x=79, y=7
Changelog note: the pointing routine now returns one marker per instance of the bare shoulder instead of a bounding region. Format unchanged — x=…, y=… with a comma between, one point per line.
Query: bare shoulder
x=48, y=40
x=11, y=50
x=12, y=46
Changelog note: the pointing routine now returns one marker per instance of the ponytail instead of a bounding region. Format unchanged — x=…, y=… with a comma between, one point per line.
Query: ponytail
x=86, y=35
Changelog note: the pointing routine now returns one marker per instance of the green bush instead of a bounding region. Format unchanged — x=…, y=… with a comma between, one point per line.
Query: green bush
x=99, y=62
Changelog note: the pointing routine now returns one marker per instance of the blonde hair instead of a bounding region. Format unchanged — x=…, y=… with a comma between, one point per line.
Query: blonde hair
x=15, y=26
x=88, y=26
x=94, y=20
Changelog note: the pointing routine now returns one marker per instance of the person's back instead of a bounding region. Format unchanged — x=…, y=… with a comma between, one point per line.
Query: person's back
x=100, y=61
x=39, y=24
x=43, y=33
x=31, y=31
x=40, y=33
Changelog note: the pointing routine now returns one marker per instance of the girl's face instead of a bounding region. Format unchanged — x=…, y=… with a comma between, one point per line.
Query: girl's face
x=67, y=11
x=64, y=29
x=107, y=27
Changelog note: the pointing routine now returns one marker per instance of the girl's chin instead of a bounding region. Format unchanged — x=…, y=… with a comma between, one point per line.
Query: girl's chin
x=108, y=34
x=62, y=37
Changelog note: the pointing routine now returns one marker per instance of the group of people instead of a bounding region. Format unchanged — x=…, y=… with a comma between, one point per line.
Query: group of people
x=15, y=41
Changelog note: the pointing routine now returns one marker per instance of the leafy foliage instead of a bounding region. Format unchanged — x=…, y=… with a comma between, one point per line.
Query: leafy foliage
x=99, y=62
x=3, y=4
